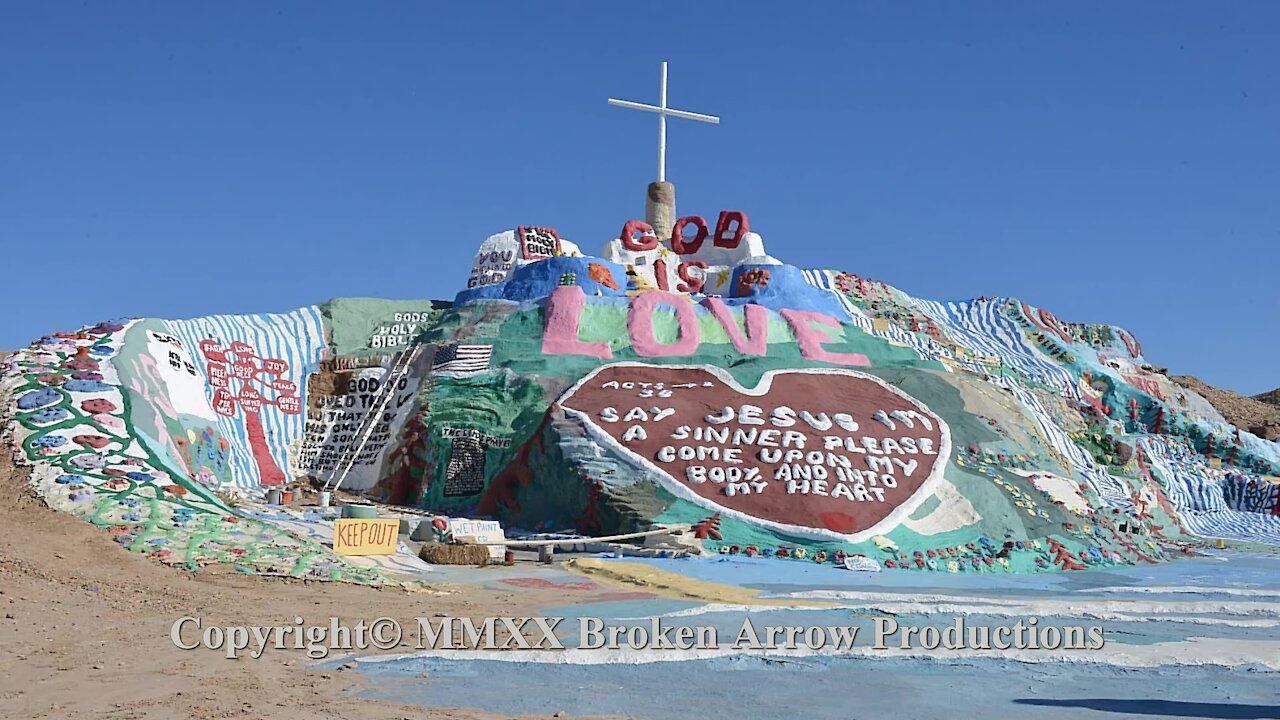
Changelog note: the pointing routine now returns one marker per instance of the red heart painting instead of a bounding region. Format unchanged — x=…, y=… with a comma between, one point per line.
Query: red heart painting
x=824, y=453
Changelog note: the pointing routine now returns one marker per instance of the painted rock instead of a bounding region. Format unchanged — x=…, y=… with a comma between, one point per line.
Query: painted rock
x=37, y=398
x=87, y=386
x=97, y=442
x=829, y=454
x=98, y=405
x=49, y=441
x=86, y=376
x=81, y=364
x=110, y=422
x=48, y=415
x=89, y=462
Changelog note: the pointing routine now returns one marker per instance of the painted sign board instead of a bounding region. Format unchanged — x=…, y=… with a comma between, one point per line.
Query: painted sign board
x=823, y=453
x=482, y=531
x=365, y=536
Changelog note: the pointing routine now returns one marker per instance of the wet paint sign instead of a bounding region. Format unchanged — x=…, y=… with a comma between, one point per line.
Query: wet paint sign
x=485, y=532
x=365, y=536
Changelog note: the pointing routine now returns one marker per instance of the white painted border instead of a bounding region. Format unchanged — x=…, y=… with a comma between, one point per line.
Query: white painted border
x=890, y=521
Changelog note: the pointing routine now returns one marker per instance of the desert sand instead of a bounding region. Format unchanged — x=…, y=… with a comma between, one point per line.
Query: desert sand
x=85, y=629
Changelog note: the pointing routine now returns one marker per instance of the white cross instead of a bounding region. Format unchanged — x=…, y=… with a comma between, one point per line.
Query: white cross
x=663, y=111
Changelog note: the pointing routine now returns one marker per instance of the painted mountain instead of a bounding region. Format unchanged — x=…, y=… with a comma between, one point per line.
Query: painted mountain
x=801, y=413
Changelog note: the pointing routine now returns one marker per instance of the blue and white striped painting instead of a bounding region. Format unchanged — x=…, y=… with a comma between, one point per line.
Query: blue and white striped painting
x=1197, y=495
x=296, y=337
x=984, y=328
x=925, y=347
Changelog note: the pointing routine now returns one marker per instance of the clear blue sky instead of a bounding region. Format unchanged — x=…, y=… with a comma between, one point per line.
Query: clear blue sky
x=1113, y=162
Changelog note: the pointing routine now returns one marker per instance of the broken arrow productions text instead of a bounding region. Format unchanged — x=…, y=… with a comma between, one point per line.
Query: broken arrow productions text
x=317, y=640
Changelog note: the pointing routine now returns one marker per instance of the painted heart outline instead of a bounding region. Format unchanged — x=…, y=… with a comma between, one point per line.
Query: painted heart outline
x=805, y=398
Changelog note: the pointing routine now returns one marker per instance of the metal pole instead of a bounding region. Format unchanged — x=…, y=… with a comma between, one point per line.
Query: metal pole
x=662, y=126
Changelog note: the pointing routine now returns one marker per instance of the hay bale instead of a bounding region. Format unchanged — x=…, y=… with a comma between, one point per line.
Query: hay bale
x=454, y=554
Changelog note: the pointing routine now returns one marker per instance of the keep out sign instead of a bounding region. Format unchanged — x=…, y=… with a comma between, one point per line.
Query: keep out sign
x=822, y=453
x=365, y=536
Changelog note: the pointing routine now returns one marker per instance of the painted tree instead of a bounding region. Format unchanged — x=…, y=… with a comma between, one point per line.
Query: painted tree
x=244, y=383
x=1233, y=454
x=709, y=528
x=1158, y=425
x=1062, y=556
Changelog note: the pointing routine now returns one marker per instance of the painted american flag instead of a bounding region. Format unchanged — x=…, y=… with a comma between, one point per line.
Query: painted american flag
x=460, y=358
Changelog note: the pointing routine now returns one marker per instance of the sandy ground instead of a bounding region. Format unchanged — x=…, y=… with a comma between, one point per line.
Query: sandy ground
x=84, y=631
